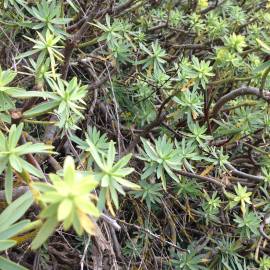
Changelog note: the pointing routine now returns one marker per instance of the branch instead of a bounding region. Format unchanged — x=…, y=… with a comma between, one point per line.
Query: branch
x=116, y=10
x=262, y=226
x=202, y=178
x=156, y=122
x=244, y=175
x=190, y=46
x=217, y=4
x=17, y=192
x=145, y=131
x=242, y=91
x=264, y=77
x=76, y=38
x=158, y=237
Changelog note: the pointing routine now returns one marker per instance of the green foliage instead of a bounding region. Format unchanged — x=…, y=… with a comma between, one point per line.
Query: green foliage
x=46, y=47
x=264, y=263
x=112, y=31
x=188, y=188
x=67, y=200
x=163, y=100
x=248, y=224
x=198, y=134
x=187, y=152
x=111, y=174
x=150, y=193
x=202, y=70
x=226, y=256
x=235, y=42
x=241, y=196
x=16, y=4
x=159, y=159
x=92, y=137
x=211, y=207
x=10, y=226
x=48, y=16
x=155, y=57
x=190, y=105
x=8, y=92
x=11, y=157
x=67, y=97
x=188, y=261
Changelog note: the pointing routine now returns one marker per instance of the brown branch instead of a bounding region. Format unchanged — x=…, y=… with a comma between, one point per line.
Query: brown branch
x=190, y=46
x=145, y=131
x=17, y=192
x=115, y=11
x=158, y=237
x=217, y=4
x=98, y=81
x=30, y=158
x=156, y=122
x=263, y=224
x=242, y=91
x=244, y=175
x=202, y=178
x=41, y=157
x=76, y=38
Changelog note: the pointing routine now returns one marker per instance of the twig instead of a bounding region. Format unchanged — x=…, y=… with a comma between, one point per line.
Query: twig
x=76, y=38
x=158, y=237
x=156, y=122
x=31, y=159
x=17, y=192
x=110, y=221
x=229, y=79
x=242, y=91
x=244, y=175
x=264, y=80
x=217, y=4
x=190, y=46
x=202, y=178
x=262, y=226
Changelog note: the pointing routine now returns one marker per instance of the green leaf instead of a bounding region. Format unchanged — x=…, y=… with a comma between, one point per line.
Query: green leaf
x=3, y=164
x=111, y=154
x=264, y=46
x=150, y=151
x=43, y=187
x=15, y=210
x=23, y=94
x=14, y=135
x=15, y=163
x=114, y=196
x=102, y=199
x=33, y=148
x=6, y=103
x=6, y=244
x=6, y=264
x=64, y=209
x=40, y=109
x=105, y=180
x=95, y=155
x=87, y=207
x=122, y=162
x=13, y=230
x=26, y=54
x=31, y=169
x=262, y=67
x=127, y=183
x=6, y=77
x=44, y=233
x=69, y=170
x=9, y=184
